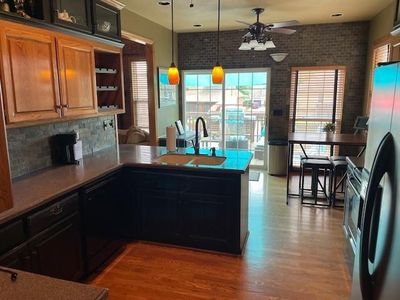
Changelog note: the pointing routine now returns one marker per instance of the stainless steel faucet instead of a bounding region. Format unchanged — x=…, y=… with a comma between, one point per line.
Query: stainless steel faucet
x=205, y=134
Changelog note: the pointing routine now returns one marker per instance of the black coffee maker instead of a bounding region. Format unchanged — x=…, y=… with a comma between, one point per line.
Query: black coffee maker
x=64, y=148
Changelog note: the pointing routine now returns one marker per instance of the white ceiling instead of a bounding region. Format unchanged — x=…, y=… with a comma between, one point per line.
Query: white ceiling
x=205, y=12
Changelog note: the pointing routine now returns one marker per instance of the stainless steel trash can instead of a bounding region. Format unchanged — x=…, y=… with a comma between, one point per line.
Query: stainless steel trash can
x=277, y=157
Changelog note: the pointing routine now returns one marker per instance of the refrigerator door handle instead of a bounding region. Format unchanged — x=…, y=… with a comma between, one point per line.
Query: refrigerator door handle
x=371, y=213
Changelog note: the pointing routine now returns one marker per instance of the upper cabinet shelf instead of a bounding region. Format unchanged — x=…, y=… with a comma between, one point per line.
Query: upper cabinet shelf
x=99, y=18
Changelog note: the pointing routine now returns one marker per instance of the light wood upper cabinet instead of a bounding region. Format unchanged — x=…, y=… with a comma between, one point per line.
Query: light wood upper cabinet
x=77, y=77
x=29, y=75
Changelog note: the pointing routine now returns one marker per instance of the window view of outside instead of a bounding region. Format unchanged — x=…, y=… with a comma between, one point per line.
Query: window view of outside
x=235, y=112
x=316, y=99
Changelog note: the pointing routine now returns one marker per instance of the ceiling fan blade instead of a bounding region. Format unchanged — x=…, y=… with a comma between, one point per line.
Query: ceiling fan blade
x=285, y=24
x=247, y=35
x=243, y=22
x=282, y=30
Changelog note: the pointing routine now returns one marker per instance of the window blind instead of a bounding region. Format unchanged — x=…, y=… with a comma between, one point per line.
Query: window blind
x=140, y=94
x=316, y=98
x=381, y=54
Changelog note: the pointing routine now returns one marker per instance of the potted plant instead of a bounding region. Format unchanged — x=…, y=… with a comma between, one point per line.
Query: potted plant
x=329, y=128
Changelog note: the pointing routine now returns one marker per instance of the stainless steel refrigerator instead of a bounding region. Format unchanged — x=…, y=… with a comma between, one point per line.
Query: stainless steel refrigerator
x=376, y=272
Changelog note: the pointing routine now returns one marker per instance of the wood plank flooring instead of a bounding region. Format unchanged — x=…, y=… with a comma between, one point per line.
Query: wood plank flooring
x=293, y=252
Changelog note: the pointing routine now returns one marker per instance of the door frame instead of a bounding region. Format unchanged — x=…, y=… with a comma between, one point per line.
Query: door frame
x=267, y=102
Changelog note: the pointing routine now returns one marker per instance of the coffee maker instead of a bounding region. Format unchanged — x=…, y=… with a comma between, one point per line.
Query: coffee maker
x=67, y=148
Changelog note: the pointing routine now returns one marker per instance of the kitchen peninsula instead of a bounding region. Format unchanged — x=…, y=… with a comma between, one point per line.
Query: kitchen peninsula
x=124, y=193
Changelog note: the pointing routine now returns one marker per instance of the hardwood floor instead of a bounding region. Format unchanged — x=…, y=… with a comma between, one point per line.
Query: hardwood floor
x=293, y=252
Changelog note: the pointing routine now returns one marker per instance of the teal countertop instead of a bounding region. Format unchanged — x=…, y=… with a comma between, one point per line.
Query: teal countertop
x=237, y=161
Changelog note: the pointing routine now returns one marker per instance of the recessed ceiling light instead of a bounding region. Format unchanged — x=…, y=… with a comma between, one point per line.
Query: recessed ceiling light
x=336, y=15
x=164, y=2
x=197, y=25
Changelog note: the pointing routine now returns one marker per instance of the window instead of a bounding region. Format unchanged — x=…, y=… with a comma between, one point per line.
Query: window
x=316, y=98
x=140, y=94
x=235, y=111
x=379, y=55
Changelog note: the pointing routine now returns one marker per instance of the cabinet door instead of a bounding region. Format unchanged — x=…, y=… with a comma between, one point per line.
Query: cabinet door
x=159, y=216
x=29, y=75
x=208, y=221
x=77, y=76
x=103, y=215
x=58, y=252
x=17, y=258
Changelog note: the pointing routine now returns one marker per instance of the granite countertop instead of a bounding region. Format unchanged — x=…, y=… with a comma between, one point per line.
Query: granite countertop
x=38, y=287
x=36, y=189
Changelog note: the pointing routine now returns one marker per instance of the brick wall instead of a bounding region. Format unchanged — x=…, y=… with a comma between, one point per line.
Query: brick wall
x=312, y=45
x=29, y=148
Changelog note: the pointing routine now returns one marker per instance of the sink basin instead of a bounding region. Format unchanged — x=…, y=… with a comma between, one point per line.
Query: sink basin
x=208, y=160
x=175, y=159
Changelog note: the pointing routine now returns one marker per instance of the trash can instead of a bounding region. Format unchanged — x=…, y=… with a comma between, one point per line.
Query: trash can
x=277, y=157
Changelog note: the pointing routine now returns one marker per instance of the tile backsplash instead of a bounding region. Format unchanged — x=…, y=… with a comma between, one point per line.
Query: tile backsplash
x=29, y=147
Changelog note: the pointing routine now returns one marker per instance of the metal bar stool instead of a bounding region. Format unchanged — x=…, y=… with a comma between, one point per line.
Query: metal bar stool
x=301, y=166
x=316, y=165
x=339, y=172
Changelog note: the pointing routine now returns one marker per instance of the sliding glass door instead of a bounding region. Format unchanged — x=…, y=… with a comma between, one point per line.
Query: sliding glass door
x=235, y=112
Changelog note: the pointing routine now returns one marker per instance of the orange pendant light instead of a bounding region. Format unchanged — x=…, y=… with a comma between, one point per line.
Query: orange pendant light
x=173, y=75
x=218, y=71
x=173, y=72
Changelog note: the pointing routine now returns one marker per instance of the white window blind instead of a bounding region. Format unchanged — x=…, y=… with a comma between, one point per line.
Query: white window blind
x=316, y=98
x=140, y=94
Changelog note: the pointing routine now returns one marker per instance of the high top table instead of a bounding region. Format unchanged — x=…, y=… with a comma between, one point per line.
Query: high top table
x=339, y=139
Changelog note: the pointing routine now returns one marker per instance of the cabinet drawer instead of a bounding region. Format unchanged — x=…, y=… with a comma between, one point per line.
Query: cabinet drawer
x=52, y=214
x=11, y=235
x=158, y=181
x=211, y=185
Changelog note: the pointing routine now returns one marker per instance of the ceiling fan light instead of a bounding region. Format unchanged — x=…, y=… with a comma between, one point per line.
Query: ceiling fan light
x=278, y=57
x=245, y=46
x=269, y=44
x=253, y=43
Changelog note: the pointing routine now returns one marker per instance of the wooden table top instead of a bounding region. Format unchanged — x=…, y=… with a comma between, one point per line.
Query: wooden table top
x=324, y=139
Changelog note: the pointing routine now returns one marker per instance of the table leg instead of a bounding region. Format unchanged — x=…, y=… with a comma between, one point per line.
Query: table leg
x=361, y=152
x=288, y=172
x=304, y=152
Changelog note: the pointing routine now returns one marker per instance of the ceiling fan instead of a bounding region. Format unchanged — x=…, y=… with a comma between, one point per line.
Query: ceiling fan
x=258, y=37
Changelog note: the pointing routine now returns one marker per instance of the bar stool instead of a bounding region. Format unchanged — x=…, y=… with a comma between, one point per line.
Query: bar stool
x=309, y=157
x=316, y=165
x=339, y=171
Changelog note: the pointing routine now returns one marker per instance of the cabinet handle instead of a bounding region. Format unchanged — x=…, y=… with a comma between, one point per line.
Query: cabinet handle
x=65, y=105
x=56, y=210
x=58, y=106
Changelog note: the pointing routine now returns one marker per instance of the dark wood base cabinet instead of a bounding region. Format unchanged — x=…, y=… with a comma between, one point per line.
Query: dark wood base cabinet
x=72, y=236
x=193, y=209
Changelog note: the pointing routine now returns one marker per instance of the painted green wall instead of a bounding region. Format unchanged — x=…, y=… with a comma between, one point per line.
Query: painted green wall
x=381, y=25
x=161, y=36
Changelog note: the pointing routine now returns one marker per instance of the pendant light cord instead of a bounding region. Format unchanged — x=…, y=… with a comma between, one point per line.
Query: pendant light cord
x=172, y=32
x=219, y=19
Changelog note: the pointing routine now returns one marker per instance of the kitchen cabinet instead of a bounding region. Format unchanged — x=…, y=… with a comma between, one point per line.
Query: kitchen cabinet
x=77, y=77
x=19, y=259
x=159, y=216
x=52, y=243
x=29, y=74
x=6, y=199
x=48, y=75
x=57, y=252
x=72, y=14
x=207, y=221
x=192, y=209
x=103, y=214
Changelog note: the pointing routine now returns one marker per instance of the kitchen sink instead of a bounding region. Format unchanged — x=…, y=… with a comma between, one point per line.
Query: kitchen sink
x=183, y=159
x=208, y=160
x=175, y=159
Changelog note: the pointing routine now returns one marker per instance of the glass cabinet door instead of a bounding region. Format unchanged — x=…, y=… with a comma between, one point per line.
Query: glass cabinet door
x=74, y=14
x=106, y=20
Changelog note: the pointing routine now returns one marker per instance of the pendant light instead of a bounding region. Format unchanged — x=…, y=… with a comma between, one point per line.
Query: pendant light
x=173, y=72
x=218, y=71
